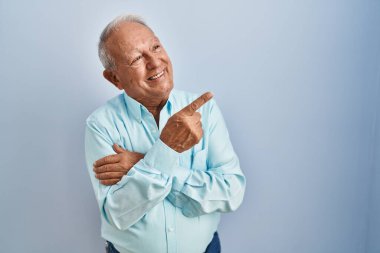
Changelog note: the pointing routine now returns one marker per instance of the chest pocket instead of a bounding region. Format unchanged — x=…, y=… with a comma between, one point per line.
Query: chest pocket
x=194, y=161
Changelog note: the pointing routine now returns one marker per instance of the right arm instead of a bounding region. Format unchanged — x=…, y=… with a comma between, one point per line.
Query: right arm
x=146, y=184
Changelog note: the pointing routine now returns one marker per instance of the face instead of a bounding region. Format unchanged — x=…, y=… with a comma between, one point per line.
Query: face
x=143, y=68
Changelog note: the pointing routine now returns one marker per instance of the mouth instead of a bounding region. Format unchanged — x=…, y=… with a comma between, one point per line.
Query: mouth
x=157, y=75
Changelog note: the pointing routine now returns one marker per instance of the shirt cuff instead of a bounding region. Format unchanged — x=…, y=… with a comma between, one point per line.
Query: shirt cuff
x=162, y=157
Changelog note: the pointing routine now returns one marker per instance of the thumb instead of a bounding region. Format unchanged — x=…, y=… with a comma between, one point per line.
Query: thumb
x=117, y=148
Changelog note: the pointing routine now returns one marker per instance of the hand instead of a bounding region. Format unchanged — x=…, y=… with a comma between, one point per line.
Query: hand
x=184, y=129
x=110, y=169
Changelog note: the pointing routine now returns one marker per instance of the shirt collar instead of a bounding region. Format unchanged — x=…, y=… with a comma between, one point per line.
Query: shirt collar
x=134, y=108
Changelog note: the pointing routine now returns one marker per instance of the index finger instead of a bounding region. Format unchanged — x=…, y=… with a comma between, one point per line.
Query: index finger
x=106, y=160
x=197, y=103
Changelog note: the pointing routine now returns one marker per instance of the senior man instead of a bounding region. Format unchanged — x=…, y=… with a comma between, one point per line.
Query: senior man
x=160, y=160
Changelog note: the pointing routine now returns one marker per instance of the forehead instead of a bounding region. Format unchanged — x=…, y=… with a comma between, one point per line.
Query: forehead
x=129, y=36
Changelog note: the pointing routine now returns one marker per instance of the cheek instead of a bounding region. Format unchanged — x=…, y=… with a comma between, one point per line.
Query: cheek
x=166, y=58
x=134, y=75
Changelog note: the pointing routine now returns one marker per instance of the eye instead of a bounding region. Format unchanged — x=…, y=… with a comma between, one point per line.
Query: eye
x=136, y=59
x=156, y=47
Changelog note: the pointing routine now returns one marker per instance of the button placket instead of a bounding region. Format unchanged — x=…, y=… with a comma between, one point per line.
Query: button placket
x=170, y=227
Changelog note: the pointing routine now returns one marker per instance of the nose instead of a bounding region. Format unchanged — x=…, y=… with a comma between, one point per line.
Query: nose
x=153, y=61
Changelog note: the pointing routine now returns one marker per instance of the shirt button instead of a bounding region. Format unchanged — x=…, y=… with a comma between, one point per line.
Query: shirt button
x=170, y=229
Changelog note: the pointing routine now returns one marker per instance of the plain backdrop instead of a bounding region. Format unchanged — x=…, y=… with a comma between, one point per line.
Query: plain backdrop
x=298, y=83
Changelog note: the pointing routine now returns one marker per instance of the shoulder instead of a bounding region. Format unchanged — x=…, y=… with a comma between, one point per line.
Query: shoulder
x=108, y=112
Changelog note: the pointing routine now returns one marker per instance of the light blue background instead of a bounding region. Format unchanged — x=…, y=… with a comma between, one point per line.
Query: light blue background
x=306, y=73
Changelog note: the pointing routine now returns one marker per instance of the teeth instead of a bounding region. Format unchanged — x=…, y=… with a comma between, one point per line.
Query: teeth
x=156, y=76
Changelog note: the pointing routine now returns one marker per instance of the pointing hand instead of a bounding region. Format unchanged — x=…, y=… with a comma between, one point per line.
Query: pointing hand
x=184, y=129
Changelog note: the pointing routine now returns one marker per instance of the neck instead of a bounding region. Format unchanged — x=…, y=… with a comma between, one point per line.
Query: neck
x=155, y=109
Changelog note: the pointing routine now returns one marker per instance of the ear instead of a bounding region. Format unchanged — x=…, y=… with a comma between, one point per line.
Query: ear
x=112, y=78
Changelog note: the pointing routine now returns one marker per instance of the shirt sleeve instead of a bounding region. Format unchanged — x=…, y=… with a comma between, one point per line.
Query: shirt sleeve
x=147, y=183
x=220, y=186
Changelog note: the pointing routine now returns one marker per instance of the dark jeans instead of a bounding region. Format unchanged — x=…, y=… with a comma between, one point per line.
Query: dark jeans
x=213, y=247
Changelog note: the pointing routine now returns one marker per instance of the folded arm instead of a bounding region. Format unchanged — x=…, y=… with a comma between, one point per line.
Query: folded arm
x=215, y=183
x=145, y=185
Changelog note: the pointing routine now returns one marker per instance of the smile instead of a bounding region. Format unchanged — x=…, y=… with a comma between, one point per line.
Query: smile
x=156, y=76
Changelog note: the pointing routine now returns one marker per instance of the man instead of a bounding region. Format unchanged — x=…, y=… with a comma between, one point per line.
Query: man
x=160, y=160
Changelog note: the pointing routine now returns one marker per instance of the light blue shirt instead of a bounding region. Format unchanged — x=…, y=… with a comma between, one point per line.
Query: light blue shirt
x=168, y=201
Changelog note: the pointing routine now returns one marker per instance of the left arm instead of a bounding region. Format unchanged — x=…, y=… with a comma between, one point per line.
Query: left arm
x=216, y=184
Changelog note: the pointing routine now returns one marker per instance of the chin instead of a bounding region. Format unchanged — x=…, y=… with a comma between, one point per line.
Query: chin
x=165, y=89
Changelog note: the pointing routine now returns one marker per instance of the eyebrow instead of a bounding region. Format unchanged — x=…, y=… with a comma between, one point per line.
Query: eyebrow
x=137, y=50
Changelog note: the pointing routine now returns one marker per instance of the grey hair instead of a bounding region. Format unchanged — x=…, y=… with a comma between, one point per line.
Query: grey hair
x=104, y=55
